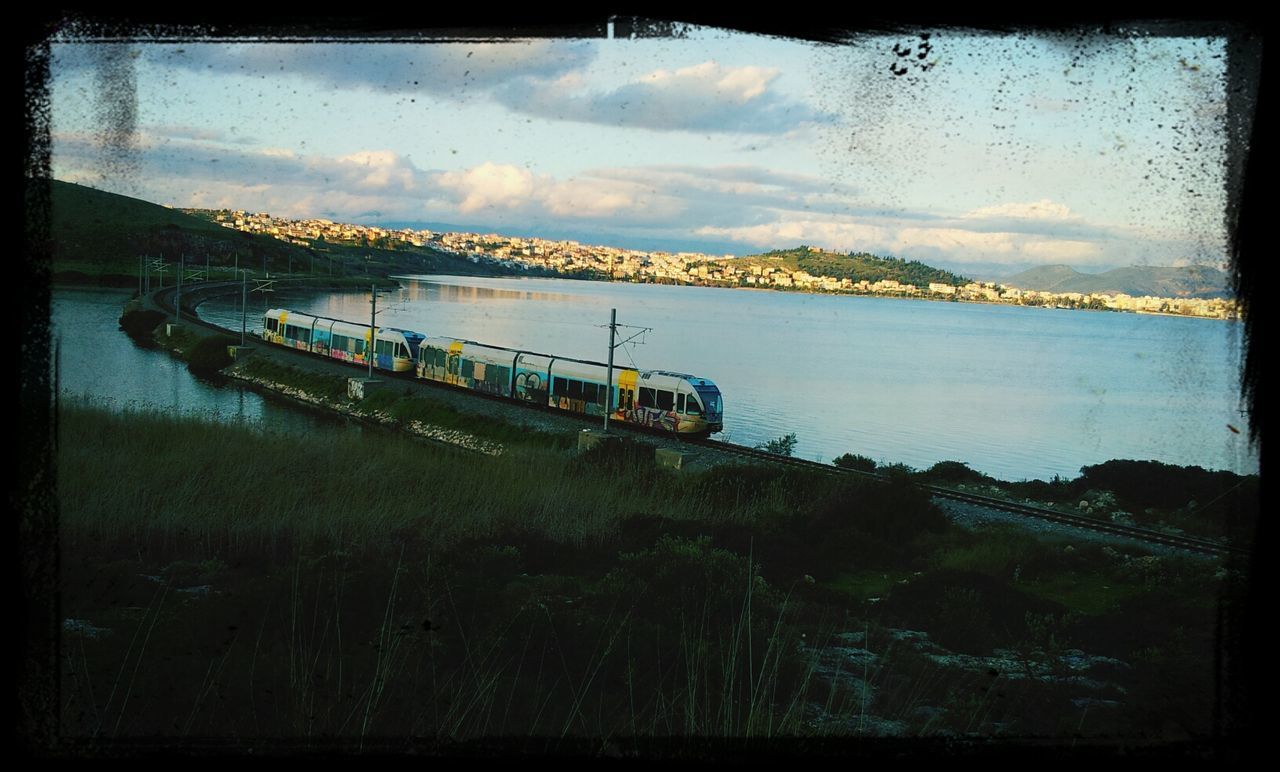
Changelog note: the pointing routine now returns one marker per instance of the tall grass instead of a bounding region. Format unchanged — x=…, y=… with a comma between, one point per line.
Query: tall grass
x=364, y=585
x=181, y=479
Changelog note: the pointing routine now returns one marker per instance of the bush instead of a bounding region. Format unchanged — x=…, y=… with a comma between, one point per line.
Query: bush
x=782, y=446
x=873, y=524
x=210, y=354
x=956, y=472
x=1142, y=484
x=856, y=462
x=139, y=324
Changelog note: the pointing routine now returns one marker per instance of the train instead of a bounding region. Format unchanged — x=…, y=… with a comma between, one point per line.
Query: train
x=659, y=400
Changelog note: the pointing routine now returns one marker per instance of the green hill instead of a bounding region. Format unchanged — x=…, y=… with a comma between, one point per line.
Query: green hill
x=852, y=266
x=98, y=234
x=98, y=237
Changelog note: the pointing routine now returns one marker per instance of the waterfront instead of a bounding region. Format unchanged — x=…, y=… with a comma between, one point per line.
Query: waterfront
x=1015, y=392
x=101, y=365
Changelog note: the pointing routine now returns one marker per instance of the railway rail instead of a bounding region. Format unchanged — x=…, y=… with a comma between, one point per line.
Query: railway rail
x=1148, y=535
x=164, y=297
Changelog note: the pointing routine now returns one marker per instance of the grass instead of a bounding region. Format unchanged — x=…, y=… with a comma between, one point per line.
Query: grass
x=365, y=586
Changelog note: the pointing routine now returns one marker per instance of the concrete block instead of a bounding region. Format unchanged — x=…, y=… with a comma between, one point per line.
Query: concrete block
x=359, y=388
x=591, y=438
x=669, y=458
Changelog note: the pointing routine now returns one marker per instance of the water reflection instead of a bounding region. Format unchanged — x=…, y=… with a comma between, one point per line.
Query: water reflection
x=98, y=364
x=425, y=289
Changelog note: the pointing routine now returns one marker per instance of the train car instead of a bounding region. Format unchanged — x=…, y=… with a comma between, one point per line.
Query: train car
x=393, y=350
x=665, y=401
x=469, y=365
x=655, y=399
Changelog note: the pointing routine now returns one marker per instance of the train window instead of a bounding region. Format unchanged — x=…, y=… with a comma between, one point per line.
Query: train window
x=559, y=388
x=679, y=403
x=590, y=391
x=575, y=389
x=468, y=368
x=647, y=398
x=304, y=335
x=272, y=325
x=666, y=400
x=691, y=406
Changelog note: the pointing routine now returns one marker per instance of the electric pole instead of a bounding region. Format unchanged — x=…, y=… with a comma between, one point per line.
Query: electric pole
x=373, y=331
x=608, y=378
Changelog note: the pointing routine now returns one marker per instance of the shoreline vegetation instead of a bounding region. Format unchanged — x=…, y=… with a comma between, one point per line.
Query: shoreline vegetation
x=363, y=587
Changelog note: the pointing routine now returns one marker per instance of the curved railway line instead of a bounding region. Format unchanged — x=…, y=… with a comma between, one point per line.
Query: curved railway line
x=163, y=299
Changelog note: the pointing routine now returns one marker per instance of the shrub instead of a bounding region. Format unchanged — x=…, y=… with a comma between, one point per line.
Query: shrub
x=139, y=324
x=956, y=472
x=782, y=446
x=210, y=354
x=856, y=462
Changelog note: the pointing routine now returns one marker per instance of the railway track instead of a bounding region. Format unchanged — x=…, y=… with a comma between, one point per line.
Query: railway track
x=1190, y=543
x=164, y=300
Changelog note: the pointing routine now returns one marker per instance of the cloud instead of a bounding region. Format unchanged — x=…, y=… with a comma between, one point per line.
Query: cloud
x=408, y=68
x=488, y=186
x=1044, y=209
x=535, y=77
x=200, y=133
x=753, y=206
x=703, y=97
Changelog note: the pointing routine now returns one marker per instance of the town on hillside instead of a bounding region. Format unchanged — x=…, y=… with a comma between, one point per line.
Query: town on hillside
x=576, y=260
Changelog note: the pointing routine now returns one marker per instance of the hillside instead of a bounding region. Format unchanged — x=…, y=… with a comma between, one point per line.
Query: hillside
x=855, y=267
x=1196, y=281
x=98, y=237
x=93, y=232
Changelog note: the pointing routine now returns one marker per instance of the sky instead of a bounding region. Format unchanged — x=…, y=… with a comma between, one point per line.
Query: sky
x=979, y=152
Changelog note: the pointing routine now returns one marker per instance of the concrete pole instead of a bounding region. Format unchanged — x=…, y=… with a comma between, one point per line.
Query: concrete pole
x=177, y=304
x=373, y=331
x=608, y=378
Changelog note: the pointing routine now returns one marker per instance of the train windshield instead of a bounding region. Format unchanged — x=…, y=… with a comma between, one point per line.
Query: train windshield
x=710, y=398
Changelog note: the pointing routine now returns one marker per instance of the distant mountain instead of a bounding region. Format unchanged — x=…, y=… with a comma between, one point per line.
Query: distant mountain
x=853, y=266
x=1193, y=281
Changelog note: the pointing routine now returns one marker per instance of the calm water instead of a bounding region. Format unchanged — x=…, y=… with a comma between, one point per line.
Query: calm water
x=1015, y=392
x=99, y=362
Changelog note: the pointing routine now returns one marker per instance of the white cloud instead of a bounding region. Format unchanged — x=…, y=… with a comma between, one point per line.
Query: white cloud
x=954, y=240
x=489, y=185
x=702, y=97
x=380, y=169
x=710, y=79
x=588, y=198
x=827, y=233
x=1061, y=251
x=1044, y=209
